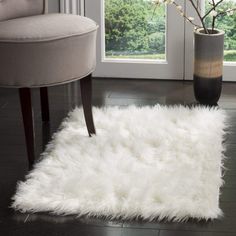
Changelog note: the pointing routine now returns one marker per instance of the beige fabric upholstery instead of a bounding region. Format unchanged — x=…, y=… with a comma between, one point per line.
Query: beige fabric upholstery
x=45, y=27
x=45, y=50
x=10, y=9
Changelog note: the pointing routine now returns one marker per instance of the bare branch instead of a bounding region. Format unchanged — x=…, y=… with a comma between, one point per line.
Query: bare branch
x=214, y=6
x=199, y=15
x=214, y=17
x=225, y=12
x=185, y=16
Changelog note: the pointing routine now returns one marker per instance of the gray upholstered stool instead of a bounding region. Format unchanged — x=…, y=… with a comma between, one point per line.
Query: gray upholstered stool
x=41, y=50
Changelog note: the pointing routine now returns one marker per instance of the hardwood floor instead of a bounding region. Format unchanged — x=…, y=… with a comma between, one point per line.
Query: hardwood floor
x=107, y=92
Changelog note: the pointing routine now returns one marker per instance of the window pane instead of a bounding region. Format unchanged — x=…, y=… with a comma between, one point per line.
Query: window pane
x=228, y=24
x=134, y=29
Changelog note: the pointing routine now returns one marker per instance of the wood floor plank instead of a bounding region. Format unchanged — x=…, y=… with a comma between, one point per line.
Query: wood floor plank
x=193, y=233
x=139, y=232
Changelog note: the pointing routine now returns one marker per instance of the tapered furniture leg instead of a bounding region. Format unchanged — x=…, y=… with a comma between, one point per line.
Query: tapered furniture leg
x=40, y=61
x=86, y=94
x=44, y=104
x=27, y=114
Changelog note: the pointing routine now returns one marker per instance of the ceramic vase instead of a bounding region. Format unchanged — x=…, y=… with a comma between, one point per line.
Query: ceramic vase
x=208, y=65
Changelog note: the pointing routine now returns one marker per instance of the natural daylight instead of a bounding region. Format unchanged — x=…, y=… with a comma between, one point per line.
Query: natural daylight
x=136, y=29
x=117, y=117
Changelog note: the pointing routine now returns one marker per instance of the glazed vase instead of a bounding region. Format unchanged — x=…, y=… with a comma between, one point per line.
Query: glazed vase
x=208, y=65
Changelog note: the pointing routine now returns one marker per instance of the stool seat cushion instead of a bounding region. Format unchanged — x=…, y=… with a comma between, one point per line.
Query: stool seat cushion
x=45, y=50
x=45, y=27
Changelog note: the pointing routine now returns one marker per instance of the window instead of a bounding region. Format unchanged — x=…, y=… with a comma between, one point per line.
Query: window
x=134, y=29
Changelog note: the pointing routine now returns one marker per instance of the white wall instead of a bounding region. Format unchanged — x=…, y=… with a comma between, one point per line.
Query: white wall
x=53, y=6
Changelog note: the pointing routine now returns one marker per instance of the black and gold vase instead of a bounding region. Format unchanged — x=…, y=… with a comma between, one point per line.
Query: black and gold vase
x=208, y=66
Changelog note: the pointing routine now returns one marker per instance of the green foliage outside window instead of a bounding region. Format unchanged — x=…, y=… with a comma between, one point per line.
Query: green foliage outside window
x=133, y=28
x=228, y=24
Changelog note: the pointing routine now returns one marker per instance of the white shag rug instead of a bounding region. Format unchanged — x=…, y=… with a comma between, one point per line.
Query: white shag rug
x=150, y=162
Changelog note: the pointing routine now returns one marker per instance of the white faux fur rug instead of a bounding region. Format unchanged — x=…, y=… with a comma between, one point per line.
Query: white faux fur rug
x=150, y=162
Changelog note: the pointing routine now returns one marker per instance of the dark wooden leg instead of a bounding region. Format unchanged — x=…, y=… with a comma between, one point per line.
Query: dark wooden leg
x=44, y=104
x=27, y=113
x=86, y=94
